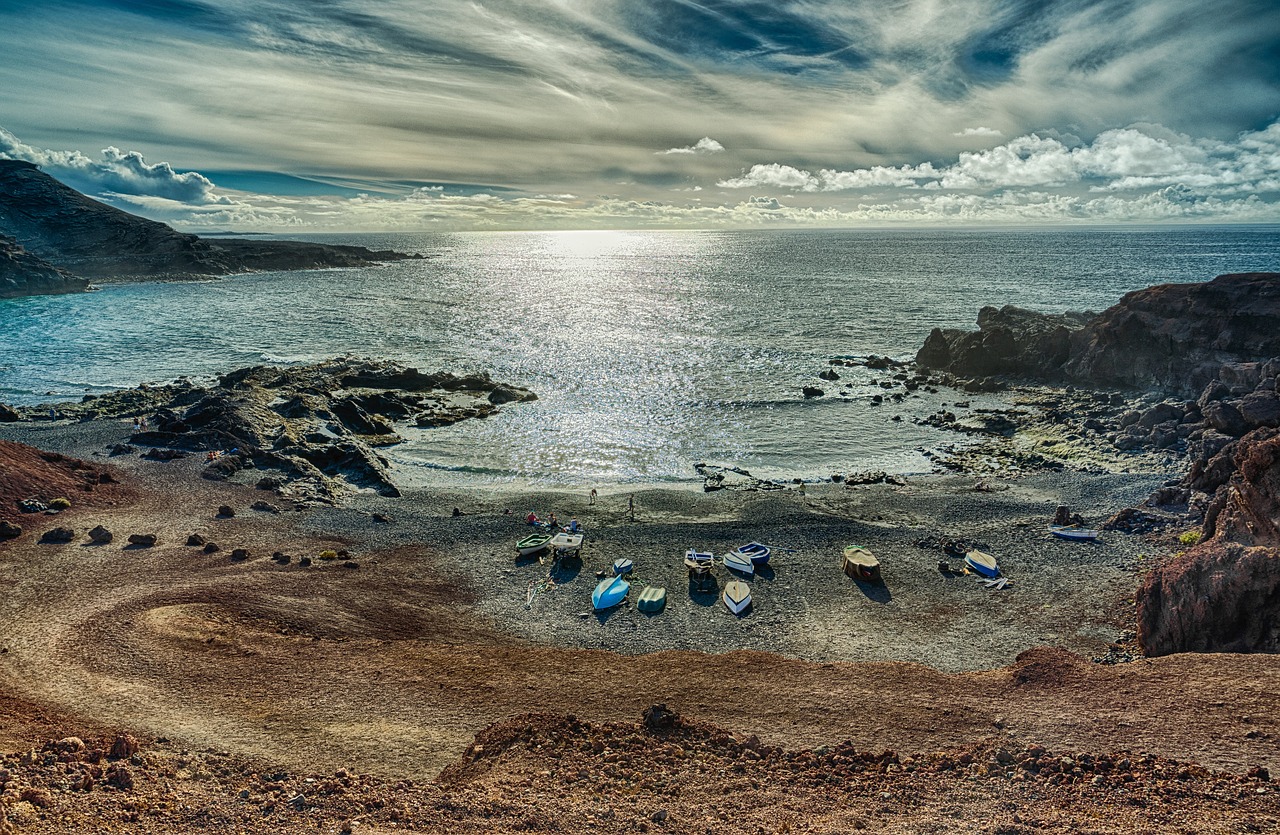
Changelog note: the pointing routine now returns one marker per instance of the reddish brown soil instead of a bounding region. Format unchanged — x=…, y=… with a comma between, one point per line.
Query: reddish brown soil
x=253, y=668
x=28, y=473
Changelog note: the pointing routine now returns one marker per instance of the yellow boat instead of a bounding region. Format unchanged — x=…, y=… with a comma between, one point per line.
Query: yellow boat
x=861, y=564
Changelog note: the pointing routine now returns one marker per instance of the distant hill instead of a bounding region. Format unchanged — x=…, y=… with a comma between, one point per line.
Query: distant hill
x=68, y=231
x=23, y=274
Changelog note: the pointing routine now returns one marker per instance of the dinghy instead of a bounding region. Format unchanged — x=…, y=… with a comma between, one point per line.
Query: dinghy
x=1075, y=534
x=982, y=563
x=754, y=551
x=622, y=565
x=652, y=599
x=861, y=564
x=699, y=562
x=737, y=596
x=737, y=562
x=566, y=543
x=533, y=543
x=610, y=592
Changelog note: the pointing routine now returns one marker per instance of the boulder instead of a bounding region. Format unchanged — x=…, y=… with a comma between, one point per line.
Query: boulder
x=101, y=536
x=812, y=391
x=1261, y=408
x=8, y=530
x=226, y=511
x=58, y=535
x=196, y=540
x=124, y=746
x=143, y=540
x=1226, y=418
x=239, y=554
x=212, y=548
x=8, y=415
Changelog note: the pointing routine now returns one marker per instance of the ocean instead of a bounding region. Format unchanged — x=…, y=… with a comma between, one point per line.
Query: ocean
x=650, y=351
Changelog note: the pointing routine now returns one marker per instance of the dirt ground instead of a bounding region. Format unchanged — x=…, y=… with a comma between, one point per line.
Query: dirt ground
x=390, y=669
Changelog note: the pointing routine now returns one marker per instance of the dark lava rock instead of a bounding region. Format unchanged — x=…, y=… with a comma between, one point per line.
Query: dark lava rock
x=58, y=535
x=226, y=511
x=23, y=273
x=383, y=518
x=72, y=232
x=8, y=415
x=265, y=507
x=828, y=374
x=1226, y=418
x=123, y=449
x=305, y=562
x=212, y=548
x=196, y=540
x=157, y=454
x=351, y=564
x=812, y=391
x=101, y=535
x=142, y=540
x=9, y=530
x=239, y=554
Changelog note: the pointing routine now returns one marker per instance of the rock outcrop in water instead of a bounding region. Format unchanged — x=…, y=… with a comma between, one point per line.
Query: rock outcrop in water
x=23, y=274
x=306, y=432
x=1173, y=337
x=74, y=233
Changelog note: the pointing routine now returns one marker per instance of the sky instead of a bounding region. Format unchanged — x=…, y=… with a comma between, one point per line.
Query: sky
x=339, y=115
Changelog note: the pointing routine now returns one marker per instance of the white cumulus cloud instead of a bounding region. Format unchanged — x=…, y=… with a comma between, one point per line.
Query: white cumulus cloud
x=118, y=172
x=705, y=145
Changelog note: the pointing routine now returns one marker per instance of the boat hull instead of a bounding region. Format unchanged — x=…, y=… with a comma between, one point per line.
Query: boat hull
x=982, y=563
x=754, y=551
x=532, y=544
x=652, y=599
x=737, y=562
x=861, y=564
x=1078, y=535
x=737, y=597
x=609, y=593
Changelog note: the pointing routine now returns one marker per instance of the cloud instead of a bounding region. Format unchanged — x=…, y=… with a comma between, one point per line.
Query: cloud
x=1139, y=157
x=118, y=172
x=705, y=145
x=978, y=131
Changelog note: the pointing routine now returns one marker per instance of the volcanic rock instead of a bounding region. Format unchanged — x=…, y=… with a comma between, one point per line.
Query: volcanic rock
x=8, y=530
x=8, y=415
x=143, y=540
x=60, y=229
x=101, y=535
x=58, y=535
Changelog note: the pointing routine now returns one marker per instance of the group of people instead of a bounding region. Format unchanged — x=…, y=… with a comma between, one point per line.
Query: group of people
x=552, y=523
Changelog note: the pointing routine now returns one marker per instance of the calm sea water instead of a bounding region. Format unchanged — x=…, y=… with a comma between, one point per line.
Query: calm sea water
x=650, y=350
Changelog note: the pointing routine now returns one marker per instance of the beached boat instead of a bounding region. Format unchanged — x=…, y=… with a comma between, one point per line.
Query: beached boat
x=737, y=596
x=652, y=599
x=861, y=564
x=610, y=592
x=1076, y=534
x=982, y=563
x=533, y=543
x=739, y=563
x=754, y=551
x=699, y=562
x=566, y=543
x=622, y=565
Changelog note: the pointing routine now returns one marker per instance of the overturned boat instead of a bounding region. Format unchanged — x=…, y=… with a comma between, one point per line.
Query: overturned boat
x=737, y=596
x=980, y=562
x=861, y=564
x=609, y=593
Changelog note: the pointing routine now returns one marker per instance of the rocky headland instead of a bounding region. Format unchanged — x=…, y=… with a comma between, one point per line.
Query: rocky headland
x=24, y=274
x=1201, y=365
x=63, y=232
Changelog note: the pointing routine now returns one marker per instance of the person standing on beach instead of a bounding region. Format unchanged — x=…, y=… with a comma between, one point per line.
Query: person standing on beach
x=631, y=507
x=593, y=496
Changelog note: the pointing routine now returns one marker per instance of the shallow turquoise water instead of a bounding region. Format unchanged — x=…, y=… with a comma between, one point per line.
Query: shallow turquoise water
x=650, y=350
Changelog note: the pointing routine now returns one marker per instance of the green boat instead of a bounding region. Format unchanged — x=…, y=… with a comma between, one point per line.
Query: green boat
x=533, y=543
x=652, y=599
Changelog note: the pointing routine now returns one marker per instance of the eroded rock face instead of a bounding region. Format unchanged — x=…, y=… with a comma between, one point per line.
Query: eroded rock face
x=1224, y=594
x=1173, y=337
x=24, y=274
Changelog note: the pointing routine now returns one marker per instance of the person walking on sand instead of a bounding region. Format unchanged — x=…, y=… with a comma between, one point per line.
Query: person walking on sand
x=631, y=507
x=593, y=496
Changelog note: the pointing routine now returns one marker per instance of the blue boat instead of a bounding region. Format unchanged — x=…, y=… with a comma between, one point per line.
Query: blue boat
x=622, y=565
x=754, y=551
x=982, y=563
x=609, y=593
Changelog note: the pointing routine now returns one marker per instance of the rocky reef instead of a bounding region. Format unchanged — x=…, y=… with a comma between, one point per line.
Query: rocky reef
x=91, y=240
x=307, y=433
x=1174, y=338
x=23, y=274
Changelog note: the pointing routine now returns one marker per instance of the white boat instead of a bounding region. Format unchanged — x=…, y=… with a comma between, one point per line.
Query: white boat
x=1075, y=534
x=982, y=563
x=737, y=596
x=566, y=542
x=699, y=562
x=532, y=544
x=739, y=563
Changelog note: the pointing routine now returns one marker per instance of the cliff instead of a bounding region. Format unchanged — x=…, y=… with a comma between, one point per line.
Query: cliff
x=23, y=274
x=1171, y=337
x=92, y=240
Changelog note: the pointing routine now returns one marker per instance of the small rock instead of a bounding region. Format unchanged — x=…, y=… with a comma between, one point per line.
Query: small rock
x=305, y=562
x=118, y=775
x=101, y=535
x=226, y=511
x=382, y=517
x=239, y=554
x=125, y=746
x=143, y=540
x=265, y=507
x=812, y=391
x=196, y=540
x=9, y=530
x=212, y=548
x=123, y=449
x=351, y=564
x=58, y=535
